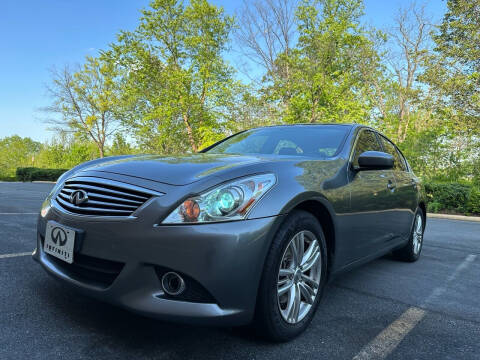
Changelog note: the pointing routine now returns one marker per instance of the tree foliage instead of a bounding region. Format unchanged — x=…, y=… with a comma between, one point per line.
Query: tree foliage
x=85, y=102
x=16, y=151
x=454, y=66
x=167, y=87
x=326, y=84
x=178, y=84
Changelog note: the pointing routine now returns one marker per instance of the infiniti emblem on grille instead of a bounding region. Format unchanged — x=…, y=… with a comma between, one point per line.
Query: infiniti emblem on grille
x=78, y=197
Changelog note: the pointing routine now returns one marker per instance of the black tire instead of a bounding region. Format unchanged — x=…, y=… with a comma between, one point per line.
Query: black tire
x=269, y=322
x=408, y=253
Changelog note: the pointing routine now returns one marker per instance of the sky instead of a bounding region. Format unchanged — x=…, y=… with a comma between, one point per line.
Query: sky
x=38, y=35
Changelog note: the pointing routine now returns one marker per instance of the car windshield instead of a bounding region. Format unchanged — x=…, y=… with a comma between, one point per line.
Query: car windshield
x=308, y=140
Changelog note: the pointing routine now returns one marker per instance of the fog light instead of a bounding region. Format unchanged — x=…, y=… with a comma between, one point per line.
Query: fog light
x=173, y=284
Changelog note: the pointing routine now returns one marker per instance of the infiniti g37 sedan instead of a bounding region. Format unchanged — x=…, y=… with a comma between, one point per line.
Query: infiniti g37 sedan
x=248, y=230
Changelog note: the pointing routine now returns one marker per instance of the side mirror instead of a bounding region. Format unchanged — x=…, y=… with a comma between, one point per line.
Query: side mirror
x=375, y=160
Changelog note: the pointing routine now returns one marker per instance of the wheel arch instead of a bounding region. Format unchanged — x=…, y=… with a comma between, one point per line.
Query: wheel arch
x=322, y=210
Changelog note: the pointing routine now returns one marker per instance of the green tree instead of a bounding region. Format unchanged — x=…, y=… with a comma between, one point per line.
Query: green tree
x=409, y=47
x=16, y=151
x=65, y=151
x=326, y=83
x=120, y=146
x=178, y=85
x=85, y=102
x=454, y=68
x=453, y=75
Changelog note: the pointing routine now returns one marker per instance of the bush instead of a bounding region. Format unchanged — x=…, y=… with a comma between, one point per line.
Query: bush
x=434, y=207
x=473, y=204
x=452, y=197
x=8, y=178
x=36, y=174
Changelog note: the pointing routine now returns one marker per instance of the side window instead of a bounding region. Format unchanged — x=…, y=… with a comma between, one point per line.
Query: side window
x=392, y=150
x=367, y=141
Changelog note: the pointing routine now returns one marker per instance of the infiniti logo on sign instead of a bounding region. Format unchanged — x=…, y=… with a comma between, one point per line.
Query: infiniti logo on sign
x=59, y=236
x=78, y=197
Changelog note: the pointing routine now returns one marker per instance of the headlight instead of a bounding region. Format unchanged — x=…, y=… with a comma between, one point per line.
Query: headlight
x=46, y=206
x=230, y=201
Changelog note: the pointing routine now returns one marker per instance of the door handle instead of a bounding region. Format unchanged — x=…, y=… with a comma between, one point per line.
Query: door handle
x=390, y=185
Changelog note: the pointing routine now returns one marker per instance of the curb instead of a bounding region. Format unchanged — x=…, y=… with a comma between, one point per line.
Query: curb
x=454, y=217
x=43, y=182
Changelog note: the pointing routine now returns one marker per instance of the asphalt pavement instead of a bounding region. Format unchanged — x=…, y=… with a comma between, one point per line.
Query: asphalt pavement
x=385, y=309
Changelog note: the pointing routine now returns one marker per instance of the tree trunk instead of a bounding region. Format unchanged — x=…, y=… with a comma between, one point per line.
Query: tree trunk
x=101, y=150
x=402, y=105
x=189, y=132
x=405, y=129
x=313, y=115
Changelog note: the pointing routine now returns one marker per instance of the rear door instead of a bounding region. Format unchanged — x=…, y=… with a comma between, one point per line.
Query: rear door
x=406, y=191
x=371, y=205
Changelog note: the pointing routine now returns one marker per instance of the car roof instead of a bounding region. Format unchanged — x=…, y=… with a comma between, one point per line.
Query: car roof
x=351, y=125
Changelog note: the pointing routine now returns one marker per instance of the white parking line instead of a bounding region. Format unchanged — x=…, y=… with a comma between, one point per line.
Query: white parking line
x=441, y=289
x=385, y=342
x=389, y=338
x=4, y=256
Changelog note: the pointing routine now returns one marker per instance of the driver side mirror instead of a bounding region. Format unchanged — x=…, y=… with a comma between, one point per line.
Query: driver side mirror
x=375, y=160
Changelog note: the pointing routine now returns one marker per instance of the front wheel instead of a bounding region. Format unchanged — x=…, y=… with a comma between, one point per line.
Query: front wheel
x=411, y=251
x=293, y=279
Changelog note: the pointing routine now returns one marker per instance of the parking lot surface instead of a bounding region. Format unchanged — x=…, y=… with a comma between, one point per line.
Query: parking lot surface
x=385, y=309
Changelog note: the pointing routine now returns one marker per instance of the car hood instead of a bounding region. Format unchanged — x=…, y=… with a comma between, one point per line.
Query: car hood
x=174, y=170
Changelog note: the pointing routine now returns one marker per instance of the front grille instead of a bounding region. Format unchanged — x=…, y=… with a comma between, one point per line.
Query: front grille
x=105, y=197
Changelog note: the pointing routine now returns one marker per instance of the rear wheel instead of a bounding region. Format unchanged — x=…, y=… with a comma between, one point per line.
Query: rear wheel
x=293, y=279
x=411, y=251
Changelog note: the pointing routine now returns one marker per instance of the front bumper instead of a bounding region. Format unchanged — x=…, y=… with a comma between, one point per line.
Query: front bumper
x=226, y=259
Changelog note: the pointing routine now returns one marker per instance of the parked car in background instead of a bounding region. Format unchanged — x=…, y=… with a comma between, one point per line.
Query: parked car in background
x=248, y=230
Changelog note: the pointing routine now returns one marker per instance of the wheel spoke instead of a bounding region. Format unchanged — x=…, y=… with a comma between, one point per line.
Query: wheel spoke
x=309, y=281
x=310, y=251
x=294, y=304
x=311, y=261
x=293, y=249
x=307, y=291
x=419, y=225
x=299, y=241
x=283, y=289
x=290, y=302
x=286, y=272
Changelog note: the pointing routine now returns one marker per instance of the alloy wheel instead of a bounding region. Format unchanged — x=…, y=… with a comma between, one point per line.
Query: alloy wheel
x=417, y=234
x=299, y=277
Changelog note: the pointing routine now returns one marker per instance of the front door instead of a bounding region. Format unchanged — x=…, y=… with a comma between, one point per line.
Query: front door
x=372, y=203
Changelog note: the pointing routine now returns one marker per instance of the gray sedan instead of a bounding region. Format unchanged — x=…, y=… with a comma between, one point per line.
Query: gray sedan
x=248, y=230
